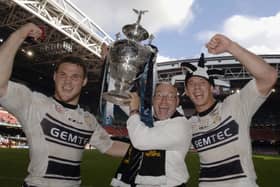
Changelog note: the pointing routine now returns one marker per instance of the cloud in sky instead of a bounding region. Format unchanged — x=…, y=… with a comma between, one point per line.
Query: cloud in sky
x=164, y=58
x=168, y=18
x=162, y=15
x=258, y=34
x=111, y=16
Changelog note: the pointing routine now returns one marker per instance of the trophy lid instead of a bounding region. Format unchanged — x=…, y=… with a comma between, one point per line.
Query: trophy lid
x=136, y=31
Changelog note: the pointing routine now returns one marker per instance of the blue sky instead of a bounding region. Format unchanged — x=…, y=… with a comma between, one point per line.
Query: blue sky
x=182, y=27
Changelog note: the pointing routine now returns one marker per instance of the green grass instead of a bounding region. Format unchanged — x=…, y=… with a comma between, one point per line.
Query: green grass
x=98, y=169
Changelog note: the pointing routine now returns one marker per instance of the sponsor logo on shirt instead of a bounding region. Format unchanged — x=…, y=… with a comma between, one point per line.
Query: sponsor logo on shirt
x=219, y=136
x=68, y=136
x=58, y=132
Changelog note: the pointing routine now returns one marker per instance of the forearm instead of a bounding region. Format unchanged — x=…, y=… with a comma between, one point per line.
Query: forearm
x=264, y=73
x=7, y=54
x=9, y=48
x=118, y=149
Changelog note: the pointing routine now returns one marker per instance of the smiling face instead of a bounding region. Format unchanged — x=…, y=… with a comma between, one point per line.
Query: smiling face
x=69, y=79
x=165, y=101
x=199, y=91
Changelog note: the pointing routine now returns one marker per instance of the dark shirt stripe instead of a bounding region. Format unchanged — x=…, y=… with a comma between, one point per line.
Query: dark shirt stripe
x=62, y=159
x=62, y=169
x=63, y=178
x=224, y=179
x=227, y=169
x=60, y=143
x=226, y=159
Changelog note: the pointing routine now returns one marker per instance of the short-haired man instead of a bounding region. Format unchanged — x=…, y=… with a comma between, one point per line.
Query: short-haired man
x=57, y=128
x=221, y=129
x=170, y=138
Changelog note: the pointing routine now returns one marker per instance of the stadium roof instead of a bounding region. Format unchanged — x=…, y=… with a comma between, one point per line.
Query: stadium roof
x=68, y=31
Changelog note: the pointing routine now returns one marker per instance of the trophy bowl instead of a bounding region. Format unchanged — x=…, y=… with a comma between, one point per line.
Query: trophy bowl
x=127, y=59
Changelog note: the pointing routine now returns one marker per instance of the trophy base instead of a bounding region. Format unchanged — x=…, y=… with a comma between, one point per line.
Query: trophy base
x=116, y=98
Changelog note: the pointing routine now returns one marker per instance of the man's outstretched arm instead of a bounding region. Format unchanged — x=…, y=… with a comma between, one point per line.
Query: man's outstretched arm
x=9, y=49
x=118, y=149
x=265, y=74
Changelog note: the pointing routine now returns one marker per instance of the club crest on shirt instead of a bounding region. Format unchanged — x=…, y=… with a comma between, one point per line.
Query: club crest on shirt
x=203, y=124
x=215, y=117
x=152, y=153
x=88, y=119
x=59, y=108
x=211, y=120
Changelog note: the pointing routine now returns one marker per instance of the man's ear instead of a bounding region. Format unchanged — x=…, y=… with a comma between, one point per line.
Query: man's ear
x=212, y=88
x=186, y=91
x=54, y=76
x=85, y=81
x=178, y=101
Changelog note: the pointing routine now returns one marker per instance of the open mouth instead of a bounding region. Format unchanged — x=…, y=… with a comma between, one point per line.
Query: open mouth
x=198, y=96
x=163, y=109
x=67, y=88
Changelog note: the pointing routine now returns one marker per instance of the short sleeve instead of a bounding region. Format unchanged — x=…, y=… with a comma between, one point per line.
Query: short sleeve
x=100, y=139
x=17, y=100
x=248, y=100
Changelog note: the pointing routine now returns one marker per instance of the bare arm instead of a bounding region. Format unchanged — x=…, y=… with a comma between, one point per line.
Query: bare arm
x=134, y=103
x=265, y=75
x=118, y=148
x=8, y=51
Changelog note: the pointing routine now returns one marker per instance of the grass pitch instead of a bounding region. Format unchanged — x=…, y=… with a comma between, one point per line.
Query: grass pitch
x=97, y=170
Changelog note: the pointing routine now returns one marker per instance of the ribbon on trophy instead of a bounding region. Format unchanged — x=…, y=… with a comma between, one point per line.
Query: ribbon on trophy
x=143, y=167
x=146, y=83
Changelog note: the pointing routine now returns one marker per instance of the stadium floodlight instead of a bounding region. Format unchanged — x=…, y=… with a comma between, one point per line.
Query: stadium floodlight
x=29, y=53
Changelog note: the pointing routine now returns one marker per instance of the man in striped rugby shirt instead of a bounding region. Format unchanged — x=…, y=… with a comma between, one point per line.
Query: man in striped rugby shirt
x=221, y=129
x=57, y=128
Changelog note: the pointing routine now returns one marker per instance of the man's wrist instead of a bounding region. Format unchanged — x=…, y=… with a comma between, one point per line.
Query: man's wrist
x=134, y=111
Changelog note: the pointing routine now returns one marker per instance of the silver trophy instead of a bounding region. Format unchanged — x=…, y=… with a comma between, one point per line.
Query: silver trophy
x=127, y=58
